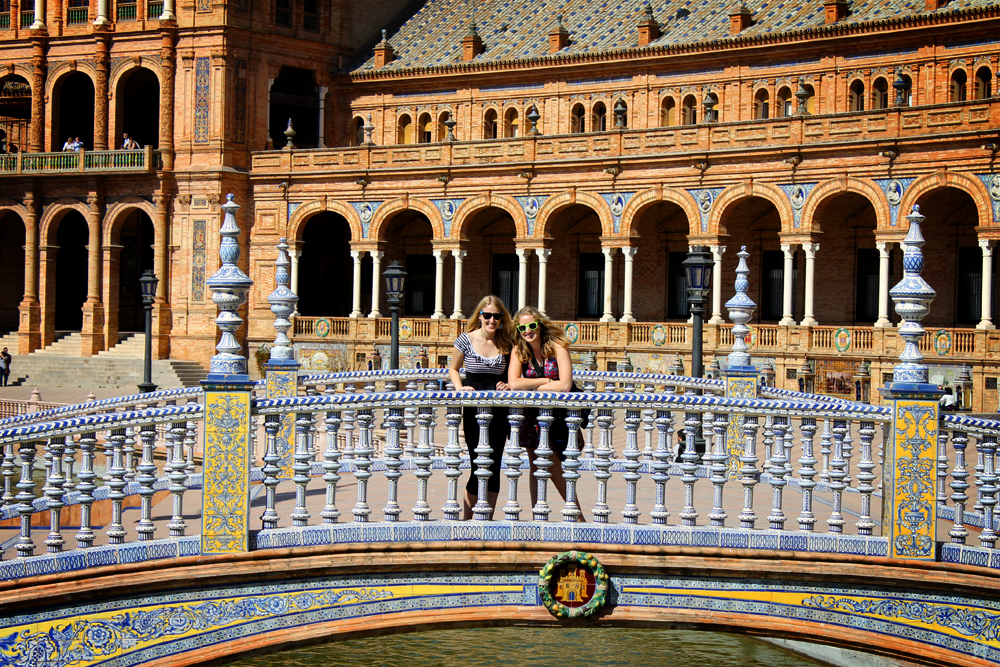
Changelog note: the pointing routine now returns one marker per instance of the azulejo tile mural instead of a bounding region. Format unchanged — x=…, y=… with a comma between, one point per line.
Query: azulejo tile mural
x=225, y=498
x=911, y=520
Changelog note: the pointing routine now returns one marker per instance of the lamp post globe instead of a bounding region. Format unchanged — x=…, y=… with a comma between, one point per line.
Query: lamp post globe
x=395, y=280
x=147, y=286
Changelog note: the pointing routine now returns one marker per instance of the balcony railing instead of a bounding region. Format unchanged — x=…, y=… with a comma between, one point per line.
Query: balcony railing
x=885, y=125
x=77, y=15
x=154, y=9
x=126, y=11
x=80, y=161
x=5, y=21
x=27, y=18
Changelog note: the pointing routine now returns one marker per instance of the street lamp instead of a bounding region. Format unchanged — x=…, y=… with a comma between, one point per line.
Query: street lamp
x=698, y=268
x=395, y=277
x=147, y=284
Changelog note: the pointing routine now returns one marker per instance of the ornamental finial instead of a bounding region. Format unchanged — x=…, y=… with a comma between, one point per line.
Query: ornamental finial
x=282, y=301
x=912, y=296
x=741, y=309
x=229, y=287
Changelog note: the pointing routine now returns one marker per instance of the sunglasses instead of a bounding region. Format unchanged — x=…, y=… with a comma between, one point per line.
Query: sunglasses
x=491, y=316
x=529, y=326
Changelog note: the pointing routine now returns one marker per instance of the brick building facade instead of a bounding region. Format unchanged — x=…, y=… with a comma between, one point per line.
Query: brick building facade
x=560, y=154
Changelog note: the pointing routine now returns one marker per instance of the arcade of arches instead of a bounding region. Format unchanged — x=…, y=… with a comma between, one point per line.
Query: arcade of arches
x=578, y=272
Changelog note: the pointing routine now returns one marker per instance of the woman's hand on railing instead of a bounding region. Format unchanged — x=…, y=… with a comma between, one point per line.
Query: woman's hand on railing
x=503, y=386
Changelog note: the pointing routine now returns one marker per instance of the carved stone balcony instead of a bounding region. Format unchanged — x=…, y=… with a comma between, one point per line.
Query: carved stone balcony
x=147, y=160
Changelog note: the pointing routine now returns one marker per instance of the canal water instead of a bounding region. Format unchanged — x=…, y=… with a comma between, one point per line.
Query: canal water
x=540, y=647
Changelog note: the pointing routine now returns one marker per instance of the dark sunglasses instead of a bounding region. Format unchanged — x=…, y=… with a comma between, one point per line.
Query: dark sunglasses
x=491, y=316
x=525, y=327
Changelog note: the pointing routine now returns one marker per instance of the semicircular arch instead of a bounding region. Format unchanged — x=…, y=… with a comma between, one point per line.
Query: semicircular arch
x=735, y=194
x=117, y=212
x=823, y=193
x=646, y=198
x=302, y=214
x=948, y=179
x=470, y=207
x=557, y=203
x=390, y=208
x=54, y=213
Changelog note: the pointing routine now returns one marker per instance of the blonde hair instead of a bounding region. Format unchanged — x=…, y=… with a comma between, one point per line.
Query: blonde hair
x=505, y=332
x=552, y=336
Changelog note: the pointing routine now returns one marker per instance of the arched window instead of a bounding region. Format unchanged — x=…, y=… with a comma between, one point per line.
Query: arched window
x=668, y=112
x=490, y=125
x=576, y=119
x=425, y=133
x=811, y=100
x=599, y=118
x=783, y=105
x=511, y=126
x=404, y=135
x=856, y=97
x=958, y=81
x=442, y=129
x=984, y=80
x=690, y=115
x=761, y=105
x=880, y=94
x=909, y=90
x=358, y=131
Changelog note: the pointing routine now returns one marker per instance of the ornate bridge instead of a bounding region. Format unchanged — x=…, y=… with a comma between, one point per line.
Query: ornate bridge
x=184, y=526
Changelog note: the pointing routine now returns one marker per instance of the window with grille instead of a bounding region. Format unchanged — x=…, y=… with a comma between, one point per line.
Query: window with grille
x=991, y=384
x=970, y=285
x=419, y=284
x=505, y=277
x=283, y=12
x=677, y=306
x=310, y=16
x=866, y=302
x=591, y=303
x=772, y=284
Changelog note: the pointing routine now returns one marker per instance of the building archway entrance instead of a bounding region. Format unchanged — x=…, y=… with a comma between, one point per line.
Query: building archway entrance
x=408, y=241
x=15, y=113
x=326, y=267
x=138, y=108
x=849, y=259
x=73, y=111
x=11, y=269
x=493, y=265
x=661, y=230
x=135, y=256
x=71, y=271
x=754, y=222
x=576, y=266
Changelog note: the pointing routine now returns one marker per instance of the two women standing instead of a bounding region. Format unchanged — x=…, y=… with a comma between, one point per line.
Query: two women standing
x=540, y=362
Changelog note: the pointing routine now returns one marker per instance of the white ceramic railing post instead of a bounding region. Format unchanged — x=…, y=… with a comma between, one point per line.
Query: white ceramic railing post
x=776, y=519
x=362, y=463
x=393, y=461
x=452, y=461
x=331, y=463
x=86, y=486
x=648, y=427
x=9, y=472
x=422, y=460
x=54, y=495
x=825, y=447
x=748, y=471
x=661, y=469
x=178, y=479
x=837, y=474
x=865, y=478
x=942, y=466
x=191, y=441
x=146, y=479
x=543, y=461
x=571, y=511
x=689, y=466
x=512, y=509
x=481, y=511
x=959, y=486
x=988, y=445
x=69, y=462
x=128, y=452
x=630, y=513
x=26, y=495
x=271, y=470
x=602, y=465
x=302, y=457
x=806, y=518
x=718, y=469
x=115, y=446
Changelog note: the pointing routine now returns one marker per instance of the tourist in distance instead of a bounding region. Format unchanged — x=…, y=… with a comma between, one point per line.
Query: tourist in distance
x=541, y=362
x=5, y=360
x=68, y=146
x=947, y=400
x=484, y=350
x=128, y=143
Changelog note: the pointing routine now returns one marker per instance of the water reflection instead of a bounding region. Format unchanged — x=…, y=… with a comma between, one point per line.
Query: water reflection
x=540, y=647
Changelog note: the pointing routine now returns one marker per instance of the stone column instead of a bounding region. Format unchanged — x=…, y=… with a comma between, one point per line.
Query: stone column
x=168, y=11
x=543, y=265
x=788, y=278
x=38, y=67
x=809, y=319
x=102, y=38
x=29, y=334
x=295, y=254
x=39, y=23
x=609, y=268
x=356, y=284
x=457, y=313
x=376, y=279
x=93, y=309
x=986, y=318
x=102, y=13
x=161, y=303
x=883, y=284
x=717, y=252
x=270, y=141
x=522, y=277
x=629, y=253
x=322, y=115
x=168, y=67
x=438, y=285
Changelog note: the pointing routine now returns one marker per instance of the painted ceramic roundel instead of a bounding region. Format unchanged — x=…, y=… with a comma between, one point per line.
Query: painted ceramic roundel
x=573, y=584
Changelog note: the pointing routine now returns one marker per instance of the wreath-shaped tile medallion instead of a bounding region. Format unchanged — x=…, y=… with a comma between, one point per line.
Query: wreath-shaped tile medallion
x=573, y=584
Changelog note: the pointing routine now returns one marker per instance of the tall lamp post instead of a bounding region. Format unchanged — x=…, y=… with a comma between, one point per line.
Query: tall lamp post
x=698, y=268
x=395, y=277
x=147, y=283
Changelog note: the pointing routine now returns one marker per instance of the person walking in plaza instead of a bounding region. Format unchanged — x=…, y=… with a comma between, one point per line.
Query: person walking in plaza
x=5, y=360
x=484, y=350
x=541, y=362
